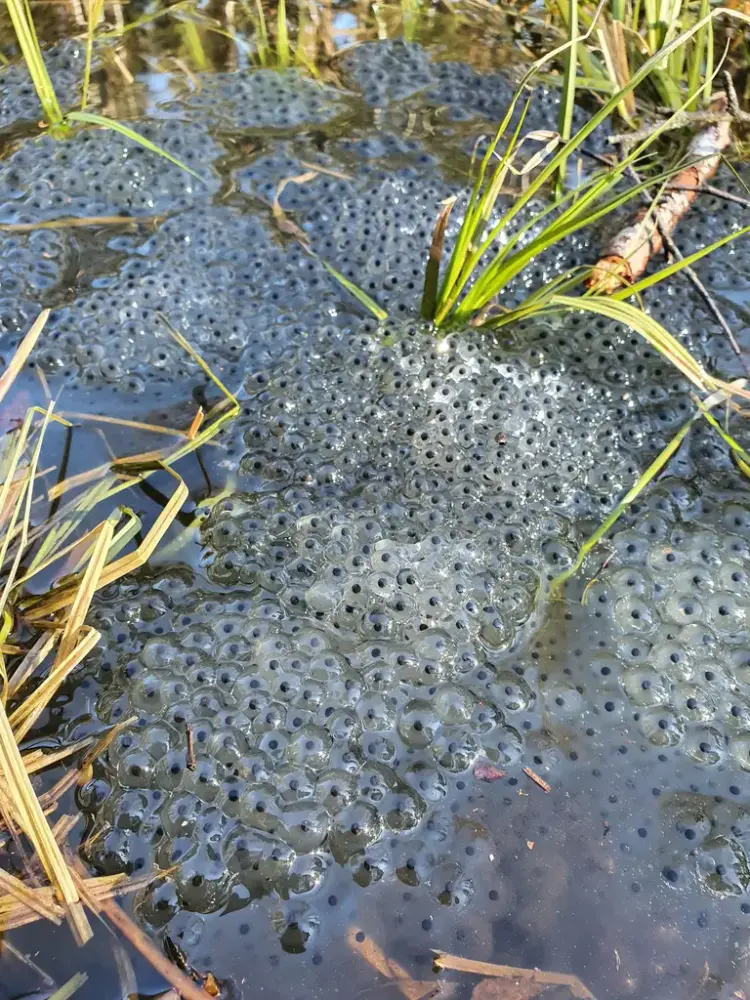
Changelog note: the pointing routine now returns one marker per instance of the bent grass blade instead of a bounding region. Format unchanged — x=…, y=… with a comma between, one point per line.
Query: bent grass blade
x=89, y=118
x=31, y=51
x=653, y=470
x=652, y=331
x=362, y=297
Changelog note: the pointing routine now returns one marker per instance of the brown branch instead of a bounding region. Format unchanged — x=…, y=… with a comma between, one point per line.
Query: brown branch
x=184, y=985
x=716, y=192
x=628, y=254
x=674, y=251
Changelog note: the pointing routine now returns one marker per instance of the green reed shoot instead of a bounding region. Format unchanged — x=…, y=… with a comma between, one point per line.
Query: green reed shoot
x=633, y=493
x=568, y=98
x=457, y=303
x=31, y=51
x=627, y=32
x=283, y=51
x=95, y=9
x=362, y=297
x=262, y=44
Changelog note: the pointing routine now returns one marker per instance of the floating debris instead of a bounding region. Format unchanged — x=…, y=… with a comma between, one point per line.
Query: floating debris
x=544, y=785
x=487, y=772
x=535, y=977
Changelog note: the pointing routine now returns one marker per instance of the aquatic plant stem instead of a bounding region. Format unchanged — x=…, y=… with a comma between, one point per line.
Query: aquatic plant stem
x=23, y=25
x=653, y=470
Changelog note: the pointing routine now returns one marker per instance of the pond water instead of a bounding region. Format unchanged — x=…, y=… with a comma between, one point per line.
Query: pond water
x=365, y=617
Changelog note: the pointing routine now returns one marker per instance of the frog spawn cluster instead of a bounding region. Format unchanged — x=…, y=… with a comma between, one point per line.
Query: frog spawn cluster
x=264, y=99
x=407, y=500
x=113, y=336
x=308, y=749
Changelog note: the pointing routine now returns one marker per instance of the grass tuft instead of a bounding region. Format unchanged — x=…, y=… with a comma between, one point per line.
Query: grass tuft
x=32, y=669
x=23, y=25
x=60, y=125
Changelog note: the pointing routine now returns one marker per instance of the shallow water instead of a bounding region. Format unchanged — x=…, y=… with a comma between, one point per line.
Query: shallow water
x=338, y=716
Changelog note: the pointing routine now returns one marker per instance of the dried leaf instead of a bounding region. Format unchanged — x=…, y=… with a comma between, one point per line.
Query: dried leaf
x=484, y=771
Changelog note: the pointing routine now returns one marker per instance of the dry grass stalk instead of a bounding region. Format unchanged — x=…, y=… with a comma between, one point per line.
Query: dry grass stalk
x=89, y=585
x=33, y=659
x=445, y=961
x=628, y=254
x=59, y=617
x=22, y=353
x=50, y=799
x=28, y=814
x=375, y=957
x=184, y=985
x=136, y=425
x=64, y=596
x=19, y=909
x=37, y=760
x=29, y=898
x=29, y=710
x=75, y=222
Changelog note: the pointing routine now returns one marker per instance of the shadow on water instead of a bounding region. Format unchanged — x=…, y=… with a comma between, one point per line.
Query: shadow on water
x=631, y=871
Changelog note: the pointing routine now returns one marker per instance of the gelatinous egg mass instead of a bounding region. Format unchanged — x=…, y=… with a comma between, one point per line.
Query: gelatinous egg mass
x=404, y=502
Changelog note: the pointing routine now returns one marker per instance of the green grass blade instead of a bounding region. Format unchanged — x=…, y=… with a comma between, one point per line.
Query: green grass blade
x=144, y=19
x=653, y=470
x=539, y=300
x=567, y=100
x=359, y=295
x=473, y=209
x=736, y=447
x=23, y=25
x=652, y=331
x=709, y=74
x=192, y=40
x=596, y=119
x=89, y=118
x=94, y=16
x=504, y=266
x=262, y=46
x=282, y=35
x=676, y=266
x=652, y=26
x=598, y=85
x=508, y=264
x=478, y=212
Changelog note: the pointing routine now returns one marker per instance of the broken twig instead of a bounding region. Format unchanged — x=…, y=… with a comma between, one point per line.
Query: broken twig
x=458, y=964
x=627, y=256
x=537, y=780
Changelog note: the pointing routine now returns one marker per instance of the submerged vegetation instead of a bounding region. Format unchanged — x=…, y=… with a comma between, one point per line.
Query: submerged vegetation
x=629, y=61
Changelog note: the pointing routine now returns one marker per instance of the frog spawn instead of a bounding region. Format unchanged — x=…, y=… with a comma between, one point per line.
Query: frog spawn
x=405, y=504
x=308, y=747
x=654, y=664
x=263, y=99
x=112, y=335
